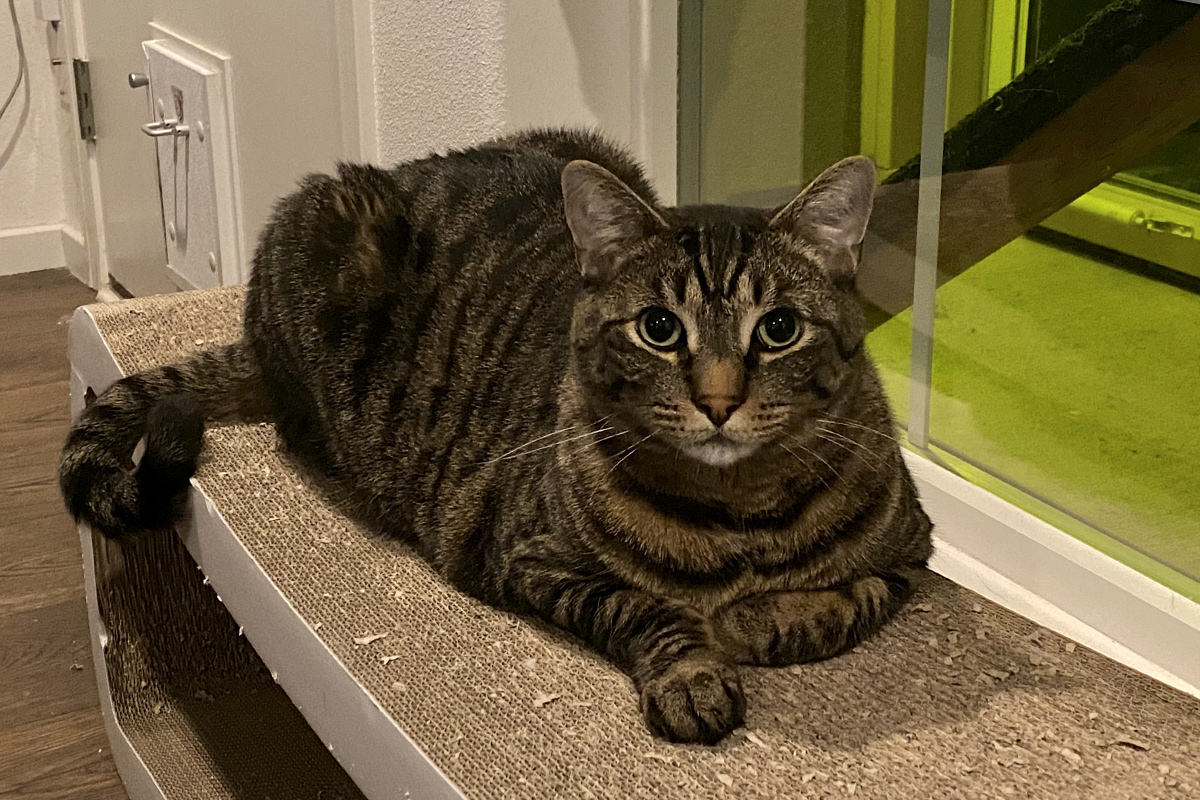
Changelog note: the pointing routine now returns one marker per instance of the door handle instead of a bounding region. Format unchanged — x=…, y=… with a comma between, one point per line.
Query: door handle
x=177, y=230
x=165, y=127
x=1155, y=225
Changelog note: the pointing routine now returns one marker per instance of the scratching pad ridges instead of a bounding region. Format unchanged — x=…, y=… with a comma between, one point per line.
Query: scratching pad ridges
x=956, y=698
x=190, y=694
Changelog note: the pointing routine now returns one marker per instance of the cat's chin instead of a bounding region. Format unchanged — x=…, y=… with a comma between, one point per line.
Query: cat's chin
x=719, y=451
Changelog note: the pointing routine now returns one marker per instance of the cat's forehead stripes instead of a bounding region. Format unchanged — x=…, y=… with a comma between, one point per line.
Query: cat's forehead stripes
x=717, y=254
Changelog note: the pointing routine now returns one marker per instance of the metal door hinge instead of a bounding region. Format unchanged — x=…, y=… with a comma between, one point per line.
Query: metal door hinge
x=83, y=99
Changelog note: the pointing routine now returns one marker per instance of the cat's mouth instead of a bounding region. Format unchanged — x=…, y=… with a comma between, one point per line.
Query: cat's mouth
x=719, y=450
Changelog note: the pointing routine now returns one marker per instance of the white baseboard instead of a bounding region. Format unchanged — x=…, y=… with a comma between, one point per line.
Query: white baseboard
x=37, y=247
x=75, y=253
x=1015, y=559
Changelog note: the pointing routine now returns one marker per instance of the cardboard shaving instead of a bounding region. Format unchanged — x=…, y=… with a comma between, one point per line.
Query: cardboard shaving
x=543, y=699
x=385, y=660
x=1132, y=744
x=400, y=686
x=659, y=757
x=1069, y=647
x=364, y=640
x=725, y=778
x=1070, y=755
x=754, y=737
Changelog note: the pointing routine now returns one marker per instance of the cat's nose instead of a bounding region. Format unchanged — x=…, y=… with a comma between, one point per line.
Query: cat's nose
x=718, y=408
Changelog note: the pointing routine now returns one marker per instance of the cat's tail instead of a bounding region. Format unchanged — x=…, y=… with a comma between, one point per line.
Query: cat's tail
x=167, y=406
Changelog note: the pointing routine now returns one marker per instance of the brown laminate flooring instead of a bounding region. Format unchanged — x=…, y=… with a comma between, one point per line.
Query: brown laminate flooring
x=52, y=742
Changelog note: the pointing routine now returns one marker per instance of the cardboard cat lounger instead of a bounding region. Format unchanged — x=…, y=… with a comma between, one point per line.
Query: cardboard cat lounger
x=308, y=658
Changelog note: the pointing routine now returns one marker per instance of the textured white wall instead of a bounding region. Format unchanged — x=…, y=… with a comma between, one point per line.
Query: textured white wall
x=439, y=74
x=453, y=72
x=31, y=132
x=607, y=64
x=569, y=63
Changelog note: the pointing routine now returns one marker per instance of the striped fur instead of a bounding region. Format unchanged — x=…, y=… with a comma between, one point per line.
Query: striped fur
x=167, y=407
x=423, y=336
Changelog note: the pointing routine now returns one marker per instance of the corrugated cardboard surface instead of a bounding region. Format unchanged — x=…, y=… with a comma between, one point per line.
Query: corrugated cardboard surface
x=956, y=698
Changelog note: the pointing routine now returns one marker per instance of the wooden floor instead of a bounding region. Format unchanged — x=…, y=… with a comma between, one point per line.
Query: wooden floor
x=52, y=742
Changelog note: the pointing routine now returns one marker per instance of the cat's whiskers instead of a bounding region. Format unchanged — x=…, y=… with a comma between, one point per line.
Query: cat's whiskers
x=805, y=464
x=629, y=451
x=853, y=424
x=796, y=440
x=845, y=444
x=567, y=429
x=595, y=442
x=521, y=450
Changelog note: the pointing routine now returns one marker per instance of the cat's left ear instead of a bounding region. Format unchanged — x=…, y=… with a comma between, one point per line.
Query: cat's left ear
x=605, y=216
x=832, y=212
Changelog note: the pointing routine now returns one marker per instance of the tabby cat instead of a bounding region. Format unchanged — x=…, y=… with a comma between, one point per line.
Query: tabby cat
x=656, y=428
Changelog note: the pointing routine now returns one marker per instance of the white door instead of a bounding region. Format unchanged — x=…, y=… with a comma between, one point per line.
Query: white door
x=124, y=184
x=293, y=86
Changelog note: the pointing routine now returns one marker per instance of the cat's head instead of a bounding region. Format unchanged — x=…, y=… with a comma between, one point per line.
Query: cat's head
x=716, y=332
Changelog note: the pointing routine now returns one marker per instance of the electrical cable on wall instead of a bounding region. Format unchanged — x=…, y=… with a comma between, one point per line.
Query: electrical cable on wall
x=22, y=66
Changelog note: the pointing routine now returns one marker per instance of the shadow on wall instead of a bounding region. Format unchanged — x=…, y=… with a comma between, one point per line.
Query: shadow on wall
x=570, y=64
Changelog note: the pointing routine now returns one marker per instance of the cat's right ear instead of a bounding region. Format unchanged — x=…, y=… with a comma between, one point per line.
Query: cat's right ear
x=605, y=216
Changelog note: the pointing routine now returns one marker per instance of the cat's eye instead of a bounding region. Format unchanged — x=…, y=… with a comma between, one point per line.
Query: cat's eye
x=778, y=329
x=660, y=328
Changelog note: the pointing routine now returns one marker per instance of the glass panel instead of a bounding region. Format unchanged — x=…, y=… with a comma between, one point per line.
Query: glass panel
x=1161, y=193
x=1175, y=165
x=1066, y=357
x=779, y=95
x=772, y=92
x=1066, y=370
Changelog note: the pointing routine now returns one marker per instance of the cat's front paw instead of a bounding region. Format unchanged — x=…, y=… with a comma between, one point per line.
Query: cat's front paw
x=694, y=700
